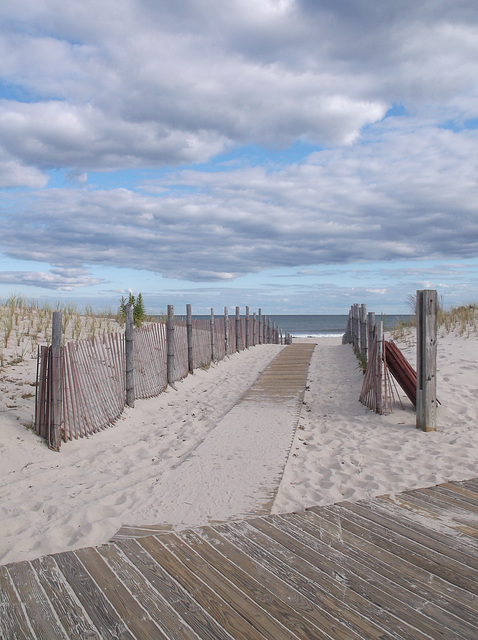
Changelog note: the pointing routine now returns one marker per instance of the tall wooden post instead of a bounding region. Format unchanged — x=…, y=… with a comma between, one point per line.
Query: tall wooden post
x=247, y=328
x=371, y=329
x=254, y=329
x=54, y=439
x=189, y=336
x=238, y=329
x=129, y=355
x=213, y=354
x=426, y=359
x=226, y=331
x=356, y=325
x=363, y=331
x=379, y=369
x=170, y=341
x=261, y=333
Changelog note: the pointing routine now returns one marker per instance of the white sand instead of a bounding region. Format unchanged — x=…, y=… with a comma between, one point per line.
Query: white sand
x=344, y=451
x=155, y=465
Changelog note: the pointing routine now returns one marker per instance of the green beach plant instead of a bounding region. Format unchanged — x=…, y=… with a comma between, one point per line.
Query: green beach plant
x=139, y=312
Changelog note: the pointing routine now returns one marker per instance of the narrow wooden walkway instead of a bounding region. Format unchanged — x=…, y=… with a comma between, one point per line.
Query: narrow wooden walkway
x=403, y=566
x=241, y=461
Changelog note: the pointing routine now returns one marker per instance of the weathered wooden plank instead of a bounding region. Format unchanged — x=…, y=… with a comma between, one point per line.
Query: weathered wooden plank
x=392, y=515
x=271, y=595
x=334, y=530
x=432, y=596
x=174, y=593
x=97, y=607
x=130, y=611
x=441, y=620
x=438, y=496
x=471, y=484
x=71, y=614
x=360, y=579
x=42, y=617
x=448, y=515
x=13, y=620
x=467, y=495
x=171, y=624
x=393, y=535
x=312, y=603
x=244, y=620
x=127, y=532
x=317, y=583
x=423, y=516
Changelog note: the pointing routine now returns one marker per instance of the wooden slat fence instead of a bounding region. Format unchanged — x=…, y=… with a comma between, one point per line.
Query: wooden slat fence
x=383, y=362
x=201, y=336
x=150, y=358
x=219, y=339
x=92, y=384
x=231, y=345
x=181, y=367
x=93, y=371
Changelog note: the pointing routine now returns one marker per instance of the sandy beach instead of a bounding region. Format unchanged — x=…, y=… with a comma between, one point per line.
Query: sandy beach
x=148, y=469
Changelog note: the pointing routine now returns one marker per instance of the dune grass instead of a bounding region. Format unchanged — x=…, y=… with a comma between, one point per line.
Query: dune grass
x=462, y=320
x=25, y=324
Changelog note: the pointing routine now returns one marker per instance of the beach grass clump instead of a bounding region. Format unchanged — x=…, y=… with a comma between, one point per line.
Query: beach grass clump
x=462, y=320
x=25, y=324
x=404, y=331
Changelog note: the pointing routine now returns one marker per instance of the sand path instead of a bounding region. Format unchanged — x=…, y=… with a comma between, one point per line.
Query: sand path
x=236, y=470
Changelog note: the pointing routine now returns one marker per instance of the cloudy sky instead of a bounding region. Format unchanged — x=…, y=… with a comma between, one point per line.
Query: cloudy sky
x=293, y=155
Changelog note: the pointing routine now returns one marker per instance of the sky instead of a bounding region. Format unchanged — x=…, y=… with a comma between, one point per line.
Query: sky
x=297, y=156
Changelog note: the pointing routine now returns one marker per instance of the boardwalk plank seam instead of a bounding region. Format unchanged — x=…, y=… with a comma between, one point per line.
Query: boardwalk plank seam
x=349, y=565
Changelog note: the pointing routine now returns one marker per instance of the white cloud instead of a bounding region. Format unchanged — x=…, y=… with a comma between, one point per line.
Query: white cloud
x=56, y=279
x=129, y=84
x=374, y=200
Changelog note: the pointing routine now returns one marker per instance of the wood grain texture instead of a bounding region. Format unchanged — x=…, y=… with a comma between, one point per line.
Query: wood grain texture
x=401, y=567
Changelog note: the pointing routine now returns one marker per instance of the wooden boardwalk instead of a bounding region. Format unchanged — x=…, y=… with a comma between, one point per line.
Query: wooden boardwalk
x=403, y=566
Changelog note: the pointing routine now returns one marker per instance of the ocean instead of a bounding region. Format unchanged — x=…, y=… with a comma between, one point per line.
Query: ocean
x=320, y=325
x=325, y=326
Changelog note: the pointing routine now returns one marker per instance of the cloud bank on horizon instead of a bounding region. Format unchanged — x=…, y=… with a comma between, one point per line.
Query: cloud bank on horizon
x=251, y=148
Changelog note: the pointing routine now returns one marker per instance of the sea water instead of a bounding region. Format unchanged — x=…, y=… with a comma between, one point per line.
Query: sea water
x=325, y=326
x=315, y=326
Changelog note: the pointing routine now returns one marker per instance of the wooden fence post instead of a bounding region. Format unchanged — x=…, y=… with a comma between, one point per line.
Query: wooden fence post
x=379, y=369
x=170, y=341
x=261, y=338
x=356, y=327
x=226, y=330
x=54, y=440
x=371, y=329
x=129, y=355
x=426, y=359
x=189, y=334
x=238, y=329
x=212, y=335
x=254, y=329
x=363, y=331
x=347, y=337
x=247, y=328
